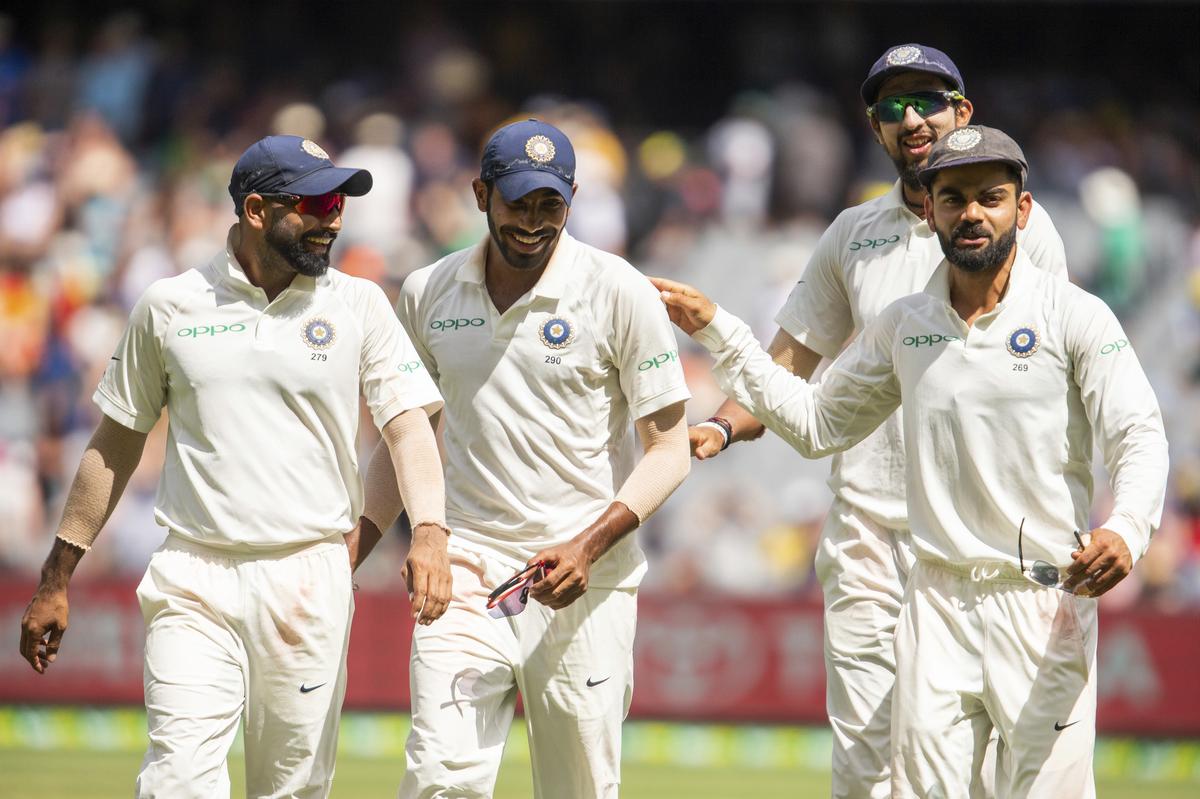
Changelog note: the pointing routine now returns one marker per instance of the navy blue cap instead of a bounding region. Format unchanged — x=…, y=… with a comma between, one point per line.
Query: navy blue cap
x=973, y=144
x=529, y=155
x=292, y=165
x=910, y=58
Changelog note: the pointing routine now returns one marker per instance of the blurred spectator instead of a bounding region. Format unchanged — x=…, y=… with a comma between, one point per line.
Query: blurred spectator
x=114, y=75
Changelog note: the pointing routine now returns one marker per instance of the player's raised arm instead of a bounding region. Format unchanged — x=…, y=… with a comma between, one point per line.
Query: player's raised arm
x=859, y=392
x=710, y=437
x=109, y=460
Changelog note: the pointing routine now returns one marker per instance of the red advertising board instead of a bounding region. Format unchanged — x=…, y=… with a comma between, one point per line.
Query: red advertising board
x=715, y=659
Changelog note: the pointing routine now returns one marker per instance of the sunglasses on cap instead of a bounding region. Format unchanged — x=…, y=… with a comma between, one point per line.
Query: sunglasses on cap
x=891, y=109
x=318, y=205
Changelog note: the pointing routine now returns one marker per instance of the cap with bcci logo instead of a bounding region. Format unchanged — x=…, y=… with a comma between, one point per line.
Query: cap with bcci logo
x=910, y=58
x=292, y=165
x=974, y=144
x=529, y=155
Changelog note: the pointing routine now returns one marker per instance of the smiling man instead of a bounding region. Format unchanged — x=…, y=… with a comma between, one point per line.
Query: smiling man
x=259, y=357
x=872, y=254
x=550, y=354
x=1009, y=377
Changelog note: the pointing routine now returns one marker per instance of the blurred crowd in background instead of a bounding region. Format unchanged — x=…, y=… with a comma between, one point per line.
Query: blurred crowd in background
x=118, y=134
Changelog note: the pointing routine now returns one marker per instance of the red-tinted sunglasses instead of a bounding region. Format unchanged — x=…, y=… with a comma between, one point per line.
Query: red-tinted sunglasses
x=318, y=205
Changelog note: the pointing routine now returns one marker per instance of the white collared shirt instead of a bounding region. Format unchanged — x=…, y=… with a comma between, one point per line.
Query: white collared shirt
x=872, y=255
x=540, y=400
x=262, y=399
x=999, y=417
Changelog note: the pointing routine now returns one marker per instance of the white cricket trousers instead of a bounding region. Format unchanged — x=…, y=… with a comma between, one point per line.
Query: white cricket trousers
x=862, y=567
x=984, y=647
x=573, y=668
x=256, y=638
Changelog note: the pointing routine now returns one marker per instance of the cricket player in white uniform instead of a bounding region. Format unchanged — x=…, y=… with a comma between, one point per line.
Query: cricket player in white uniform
x=546, y=351
x=872, y=255
x=259, y=358
x=1008, y=374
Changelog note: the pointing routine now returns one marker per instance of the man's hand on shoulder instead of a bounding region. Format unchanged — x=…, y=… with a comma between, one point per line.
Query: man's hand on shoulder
x=690, y=310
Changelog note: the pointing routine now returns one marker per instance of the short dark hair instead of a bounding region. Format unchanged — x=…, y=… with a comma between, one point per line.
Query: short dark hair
x=1015, y=174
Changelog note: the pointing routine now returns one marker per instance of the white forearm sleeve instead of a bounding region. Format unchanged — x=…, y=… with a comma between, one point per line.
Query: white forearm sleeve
x=418, y=468
x=664, y=464
x=382, y=504
x=105, y=468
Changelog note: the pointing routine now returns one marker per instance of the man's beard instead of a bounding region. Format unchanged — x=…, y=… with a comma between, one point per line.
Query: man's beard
x=985, y=259
x=908, y=171
x=519, y=260
x=291, y=250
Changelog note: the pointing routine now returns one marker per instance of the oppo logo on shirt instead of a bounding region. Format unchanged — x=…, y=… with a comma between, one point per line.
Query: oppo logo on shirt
x=411, y=366
x=1115, y=346
x=927, y=341
x=658, y=360
x=870, y=244
x=455, y=324
x=210, y=330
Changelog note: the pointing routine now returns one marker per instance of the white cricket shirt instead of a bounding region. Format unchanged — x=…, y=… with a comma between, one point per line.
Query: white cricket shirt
x=872, y=255
x=540, y=400
x=999, y=417
x=262, y=399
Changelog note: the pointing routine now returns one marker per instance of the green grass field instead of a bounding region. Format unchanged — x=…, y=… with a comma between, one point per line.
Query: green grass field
x=99, y=775
x=94, y=753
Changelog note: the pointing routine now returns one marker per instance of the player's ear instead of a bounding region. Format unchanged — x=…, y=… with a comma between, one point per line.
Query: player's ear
x=254, y=211
x=481, y=194
x=875, y=129
x=1024, y=207
x=963, y=110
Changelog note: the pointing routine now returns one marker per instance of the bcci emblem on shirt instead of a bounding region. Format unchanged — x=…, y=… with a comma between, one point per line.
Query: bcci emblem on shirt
x=319, y=333
x=1023, y=342
x=557, y=333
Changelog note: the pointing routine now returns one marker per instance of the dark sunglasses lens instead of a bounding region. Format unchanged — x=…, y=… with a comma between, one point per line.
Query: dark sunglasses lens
x=320, y=205
x=891, y=109
x=1044, y=573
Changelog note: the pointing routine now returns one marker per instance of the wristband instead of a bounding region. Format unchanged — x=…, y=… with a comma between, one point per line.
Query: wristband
x=720, y=424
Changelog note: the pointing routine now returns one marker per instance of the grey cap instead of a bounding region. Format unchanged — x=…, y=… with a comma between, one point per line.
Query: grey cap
x=973, y=144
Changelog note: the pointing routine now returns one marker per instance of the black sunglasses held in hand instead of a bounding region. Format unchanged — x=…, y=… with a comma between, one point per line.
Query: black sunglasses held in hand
x=891, y=109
